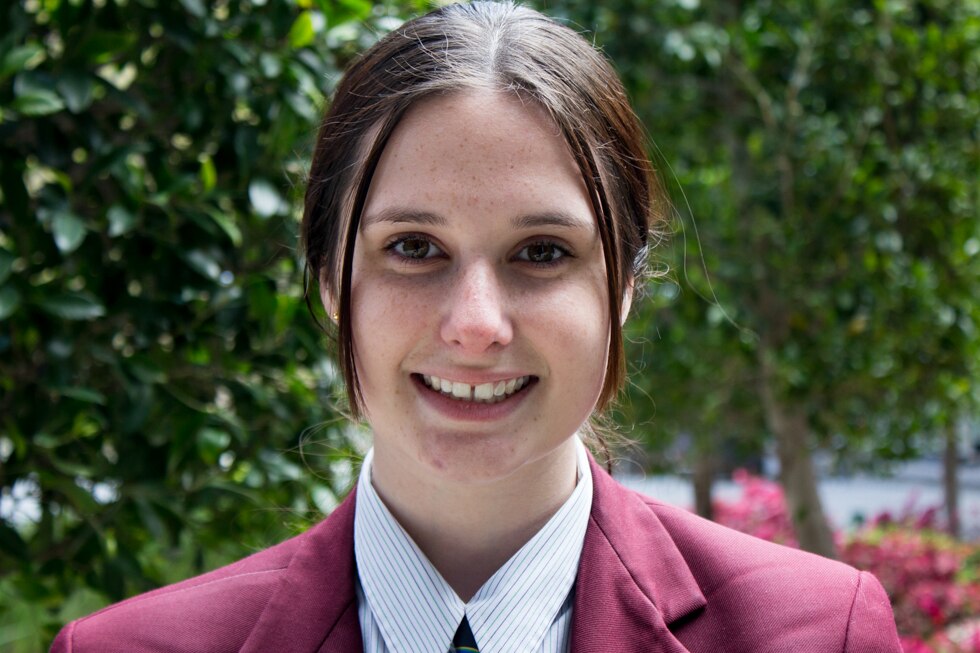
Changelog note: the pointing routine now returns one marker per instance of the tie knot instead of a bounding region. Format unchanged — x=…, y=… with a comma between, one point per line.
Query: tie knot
x=463, y=640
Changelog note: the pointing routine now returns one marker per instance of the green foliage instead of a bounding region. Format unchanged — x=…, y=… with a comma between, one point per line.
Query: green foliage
x=824, y=157
x=165, y=400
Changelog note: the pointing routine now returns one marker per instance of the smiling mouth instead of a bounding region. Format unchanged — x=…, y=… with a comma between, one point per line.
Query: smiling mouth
x=485, y=393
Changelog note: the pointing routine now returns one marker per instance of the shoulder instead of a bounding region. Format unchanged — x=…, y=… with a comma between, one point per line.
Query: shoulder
x=719, y=590
x=754, y=587
x=719, y=556
x=214, y=611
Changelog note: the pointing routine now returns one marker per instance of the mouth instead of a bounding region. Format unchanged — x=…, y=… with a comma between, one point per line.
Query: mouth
x=480, y=393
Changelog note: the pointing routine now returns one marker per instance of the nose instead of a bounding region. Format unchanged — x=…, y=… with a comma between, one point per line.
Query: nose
x=476, y=315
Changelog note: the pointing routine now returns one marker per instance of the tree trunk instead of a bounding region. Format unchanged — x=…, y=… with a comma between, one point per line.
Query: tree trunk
x=951, y=489
x=702, y=479
x=791, y=430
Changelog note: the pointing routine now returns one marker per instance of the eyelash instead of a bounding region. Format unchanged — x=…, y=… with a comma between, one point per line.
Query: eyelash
x=391, y=248
x=562, y=253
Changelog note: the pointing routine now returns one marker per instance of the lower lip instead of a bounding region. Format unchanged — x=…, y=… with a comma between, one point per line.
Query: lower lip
x=471, y=411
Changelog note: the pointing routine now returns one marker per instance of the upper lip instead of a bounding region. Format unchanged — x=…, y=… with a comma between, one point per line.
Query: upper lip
x=475, y=377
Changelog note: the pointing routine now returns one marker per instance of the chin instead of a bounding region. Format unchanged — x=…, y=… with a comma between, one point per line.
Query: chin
x=467, y=464
x=469, y=459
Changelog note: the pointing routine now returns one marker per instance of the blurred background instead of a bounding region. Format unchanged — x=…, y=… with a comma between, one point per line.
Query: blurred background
x=804, y=366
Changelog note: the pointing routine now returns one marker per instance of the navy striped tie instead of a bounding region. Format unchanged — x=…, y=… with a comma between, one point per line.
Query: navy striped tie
x=463, y=641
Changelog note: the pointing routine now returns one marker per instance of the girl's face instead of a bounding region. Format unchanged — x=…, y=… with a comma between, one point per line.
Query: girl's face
x=478, y=293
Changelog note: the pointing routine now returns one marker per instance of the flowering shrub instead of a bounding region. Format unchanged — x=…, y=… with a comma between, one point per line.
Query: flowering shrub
x=928, y=576
x=761, y=511
x=932, y=579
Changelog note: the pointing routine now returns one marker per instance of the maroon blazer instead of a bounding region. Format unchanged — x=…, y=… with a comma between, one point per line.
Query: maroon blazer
x=652, y=579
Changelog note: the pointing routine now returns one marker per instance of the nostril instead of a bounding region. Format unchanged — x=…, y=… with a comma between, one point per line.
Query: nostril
x=476, y=309
x=477, y=326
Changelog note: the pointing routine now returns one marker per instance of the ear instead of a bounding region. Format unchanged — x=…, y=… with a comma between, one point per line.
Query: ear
x=624, y=309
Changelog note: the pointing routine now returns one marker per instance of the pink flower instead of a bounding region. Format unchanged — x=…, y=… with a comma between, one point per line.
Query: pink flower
x=915, y=645
x=927, y=574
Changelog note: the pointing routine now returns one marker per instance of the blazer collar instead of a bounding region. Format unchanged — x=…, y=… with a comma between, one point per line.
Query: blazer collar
x=632, y=580
x=314, y=609
x=632, y=584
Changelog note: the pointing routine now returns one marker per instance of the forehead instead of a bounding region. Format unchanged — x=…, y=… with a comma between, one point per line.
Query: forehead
x=478, y=150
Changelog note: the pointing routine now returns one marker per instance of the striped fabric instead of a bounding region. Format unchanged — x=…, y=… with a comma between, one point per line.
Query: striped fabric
x=405, y=606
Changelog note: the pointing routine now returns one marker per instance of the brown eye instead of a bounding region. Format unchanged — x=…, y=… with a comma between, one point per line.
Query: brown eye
x=414, y=248
x=542, y=253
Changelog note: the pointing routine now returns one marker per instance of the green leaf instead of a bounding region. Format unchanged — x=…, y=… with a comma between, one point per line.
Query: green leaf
x=271, y=66
x=210, y=444
x=121, y=220
x=82, y=394
x=69, y=231
x=227, y=224
x=22, y=58
x=77, y=90
x=46, y=440
x=204, y=263
x=265, y=198
x=6, y=263
x=301, y=33
x=146, y=371
x=324, y=498
x=9, y=301
x=195, y=8
x=209, y=176
x=346, y=10
x=73, y=306
x=102, y=46
x=38, y=102
x=278, y=467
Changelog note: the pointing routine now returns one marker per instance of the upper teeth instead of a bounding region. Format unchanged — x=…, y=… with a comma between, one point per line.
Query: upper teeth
x=485, y=392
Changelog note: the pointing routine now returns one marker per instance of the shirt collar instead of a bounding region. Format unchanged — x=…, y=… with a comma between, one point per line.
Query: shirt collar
x=416, y=609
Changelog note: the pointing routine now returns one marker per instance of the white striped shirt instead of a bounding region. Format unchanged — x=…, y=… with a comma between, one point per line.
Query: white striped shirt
x=406, y=606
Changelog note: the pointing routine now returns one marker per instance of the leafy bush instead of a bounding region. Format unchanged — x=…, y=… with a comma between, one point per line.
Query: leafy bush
x=158, y=369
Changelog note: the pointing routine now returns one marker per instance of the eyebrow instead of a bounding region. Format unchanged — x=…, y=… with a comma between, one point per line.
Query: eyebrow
x=552, y=219
x=398, y=215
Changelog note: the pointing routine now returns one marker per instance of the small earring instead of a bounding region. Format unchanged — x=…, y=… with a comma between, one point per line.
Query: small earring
x=335, y=316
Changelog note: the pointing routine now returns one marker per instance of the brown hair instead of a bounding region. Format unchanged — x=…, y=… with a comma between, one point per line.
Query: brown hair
x=487, y=45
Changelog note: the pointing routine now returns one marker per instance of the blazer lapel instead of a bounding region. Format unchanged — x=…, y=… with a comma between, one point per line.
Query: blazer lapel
x=632, y=584
x=314, y=608
x=632, y=581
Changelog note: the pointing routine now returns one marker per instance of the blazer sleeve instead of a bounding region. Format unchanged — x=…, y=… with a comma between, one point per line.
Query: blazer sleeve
x=871, y=626
x=62, y=643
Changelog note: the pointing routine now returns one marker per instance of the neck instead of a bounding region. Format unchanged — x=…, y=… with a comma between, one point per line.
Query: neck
x=469, y=530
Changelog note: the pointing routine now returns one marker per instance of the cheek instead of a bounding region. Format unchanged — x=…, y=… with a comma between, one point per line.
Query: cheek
x=389, y=302
x=387, y=317
x=573, y=323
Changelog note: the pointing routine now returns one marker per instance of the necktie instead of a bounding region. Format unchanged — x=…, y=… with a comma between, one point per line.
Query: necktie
x=463, y=640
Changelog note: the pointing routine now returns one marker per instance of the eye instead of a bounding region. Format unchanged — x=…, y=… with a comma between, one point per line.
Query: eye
x=414, y=248
x=542, y=253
